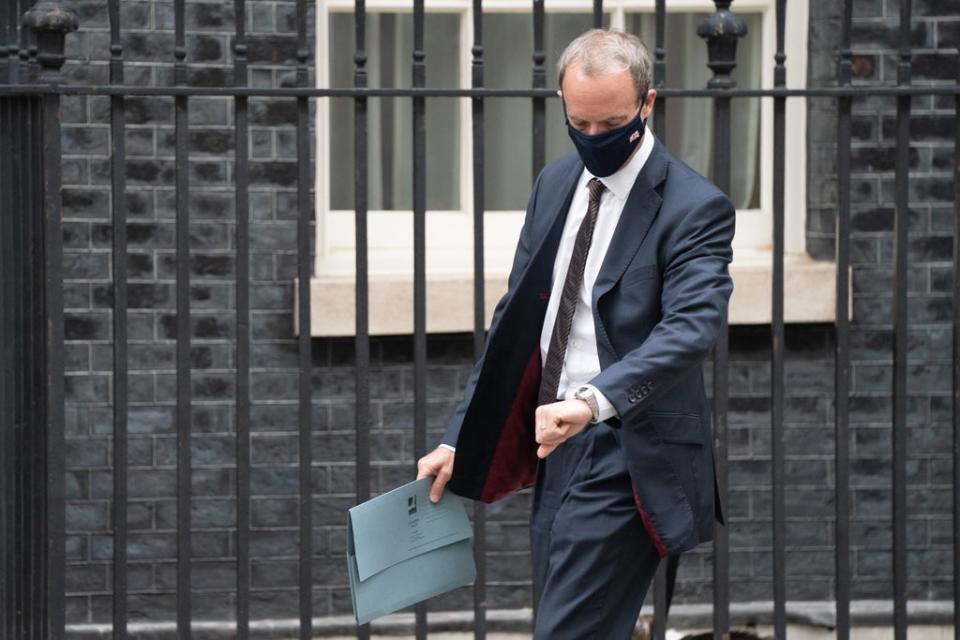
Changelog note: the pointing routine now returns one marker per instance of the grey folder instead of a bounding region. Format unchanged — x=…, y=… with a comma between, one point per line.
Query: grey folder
x=402, y=549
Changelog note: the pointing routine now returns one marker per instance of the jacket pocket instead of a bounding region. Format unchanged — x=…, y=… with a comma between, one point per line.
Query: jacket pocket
x=681, y=443
x=677, y=427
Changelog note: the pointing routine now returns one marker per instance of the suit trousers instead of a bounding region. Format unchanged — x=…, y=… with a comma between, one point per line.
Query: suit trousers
x=593, y=561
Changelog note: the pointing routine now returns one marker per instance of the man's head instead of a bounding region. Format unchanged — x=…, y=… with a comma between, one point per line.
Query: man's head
x=603, y=77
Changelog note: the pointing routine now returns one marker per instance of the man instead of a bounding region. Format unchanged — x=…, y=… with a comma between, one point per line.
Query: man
x=593, y=364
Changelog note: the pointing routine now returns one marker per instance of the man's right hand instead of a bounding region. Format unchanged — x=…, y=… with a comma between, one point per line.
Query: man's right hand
x=438, y=463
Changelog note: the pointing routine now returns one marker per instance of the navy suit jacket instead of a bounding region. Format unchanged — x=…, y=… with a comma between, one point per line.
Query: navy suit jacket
x=659, y=304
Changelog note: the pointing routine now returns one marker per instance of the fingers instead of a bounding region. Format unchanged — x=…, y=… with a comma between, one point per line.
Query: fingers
x=437, y=463
x=423, y=468
x=436, y=489
x=544, y=450
x=551, y=428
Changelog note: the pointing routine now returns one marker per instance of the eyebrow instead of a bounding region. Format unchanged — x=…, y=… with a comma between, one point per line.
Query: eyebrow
x=609, y=119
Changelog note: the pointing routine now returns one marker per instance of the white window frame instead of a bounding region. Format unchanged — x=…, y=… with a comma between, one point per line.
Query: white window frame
x=449, y=233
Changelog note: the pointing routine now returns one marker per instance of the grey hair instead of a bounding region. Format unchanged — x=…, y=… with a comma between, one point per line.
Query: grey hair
x=603, y=52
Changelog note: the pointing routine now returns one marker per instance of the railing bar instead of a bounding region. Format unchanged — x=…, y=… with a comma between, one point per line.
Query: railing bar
x=8, y=112
x=242, y=205
x=419, y=72
x=20, y=229
x=10, y=46
x=956, y=362
x=32, y=374
x=660, y=610
x=55, y=498
x=352, y=92
x=598, y=14
x=842, y=353
x=6, y=350
x=118, y=171
x=362, y=370
x=899, y=440
x=28, y=310
x=777, y=339
x=660, y=70
x=304, y=271
x=659, y=625
x=721, y=553
x=539, y=82
x=34, y=159
x=721, y=538
x=184, y=413
x=479, y=307
x=32, y=440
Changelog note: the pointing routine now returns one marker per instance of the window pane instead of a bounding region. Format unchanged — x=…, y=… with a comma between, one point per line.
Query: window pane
x=390, y=120
x=690, y=120
x=508, y=62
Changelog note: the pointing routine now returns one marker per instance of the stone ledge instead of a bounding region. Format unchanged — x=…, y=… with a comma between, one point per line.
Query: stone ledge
x=809, y=287
x=810, y=614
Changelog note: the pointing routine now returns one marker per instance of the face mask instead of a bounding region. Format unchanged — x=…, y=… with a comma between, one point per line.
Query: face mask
x=606, y=152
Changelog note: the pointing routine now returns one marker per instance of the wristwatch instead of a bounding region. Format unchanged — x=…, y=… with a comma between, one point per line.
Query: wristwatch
x=587, y=395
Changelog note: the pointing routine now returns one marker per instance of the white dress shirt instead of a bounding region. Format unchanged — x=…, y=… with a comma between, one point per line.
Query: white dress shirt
x=581, y=362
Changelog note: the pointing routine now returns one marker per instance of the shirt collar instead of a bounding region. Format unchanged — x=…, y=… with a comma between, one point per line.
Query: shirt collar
x=621, y=181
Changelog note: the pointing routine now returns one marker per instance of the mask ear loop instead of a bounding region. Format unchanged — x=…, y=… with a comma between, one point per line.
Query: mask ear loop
x=643, y=102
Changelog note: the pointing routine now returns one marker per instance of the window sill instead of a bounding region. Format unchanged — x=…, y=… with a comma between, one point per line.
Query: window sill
x=809, y=282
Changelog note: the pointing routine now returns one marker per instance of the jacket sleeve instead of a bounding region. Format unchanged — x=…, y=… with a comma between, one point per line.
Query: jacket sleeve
x=520, y=259
x=695, y=292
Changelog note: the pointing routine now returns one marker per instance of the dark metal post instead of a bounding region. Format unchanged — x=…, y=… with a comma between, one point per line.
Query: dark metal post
x=842, y=352
x=660, y=600
x=363, y=281
x=184, y=393
x=50, y=23
x=8, y=34
x=242, y=178
x=305, y=387
x=539, y=82
x=15, y=218
x=419, y=77
x=777, y=338
x=479, y=309
x=721, y=30
x=956, y=361
x=660, y=70
x=899, y=440
x=118, y=176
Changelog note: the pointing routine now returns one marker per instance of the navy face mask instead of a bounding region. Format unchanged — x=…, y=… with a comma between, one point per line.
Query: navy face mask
x=606, y=152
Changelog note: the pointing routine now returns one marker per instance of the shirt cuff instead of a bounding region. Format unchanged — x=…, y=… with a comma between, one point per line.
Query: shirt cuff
x=606, y=408
x=452, y=448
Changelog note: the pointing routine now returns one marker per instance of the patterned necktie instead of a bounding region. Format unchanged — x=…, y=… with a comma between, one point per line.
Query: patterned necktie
x=550, y=379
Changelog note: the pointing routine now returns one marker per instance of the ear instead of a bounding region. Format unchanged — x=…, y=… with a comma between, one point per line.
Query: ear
x=647, y=107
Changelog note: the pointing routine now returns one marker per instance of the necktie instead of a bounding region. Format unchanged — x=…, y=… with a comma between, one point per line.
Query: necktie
x=550, y=379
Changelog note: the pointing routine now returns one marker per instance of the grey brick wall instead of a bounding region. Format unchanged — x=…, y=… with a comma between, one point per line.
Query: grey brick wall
x=935, y=38
x=809, y=412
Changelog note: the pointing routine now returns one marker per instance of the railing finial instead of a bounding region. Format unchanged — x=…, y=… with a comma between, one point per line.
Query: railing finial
x=50, y=23
x=721, y=30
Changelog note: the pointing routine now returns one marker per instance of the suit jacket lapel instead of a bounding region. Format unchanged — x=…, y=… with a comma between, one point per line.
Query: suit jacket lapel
x=641, y=208
x=556, y=202
x=638, y=213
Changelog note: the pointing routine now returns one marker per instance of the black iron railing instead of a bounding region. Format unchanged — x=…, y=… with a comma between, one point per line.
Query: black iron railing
x=32, y=536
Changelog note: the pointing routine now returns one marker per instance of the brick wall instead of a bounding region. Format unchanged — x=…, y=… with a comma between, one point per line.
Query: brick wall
x=935, y=38
x=809, y=349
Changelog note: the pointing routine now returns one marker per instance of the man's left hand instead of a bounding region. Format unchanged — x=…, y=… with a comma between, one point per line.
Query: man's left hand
x=558, y=422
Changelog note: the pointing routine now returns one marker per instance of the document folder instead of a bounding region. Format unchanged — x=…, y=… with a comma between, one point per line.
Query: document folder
x=402, y=549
